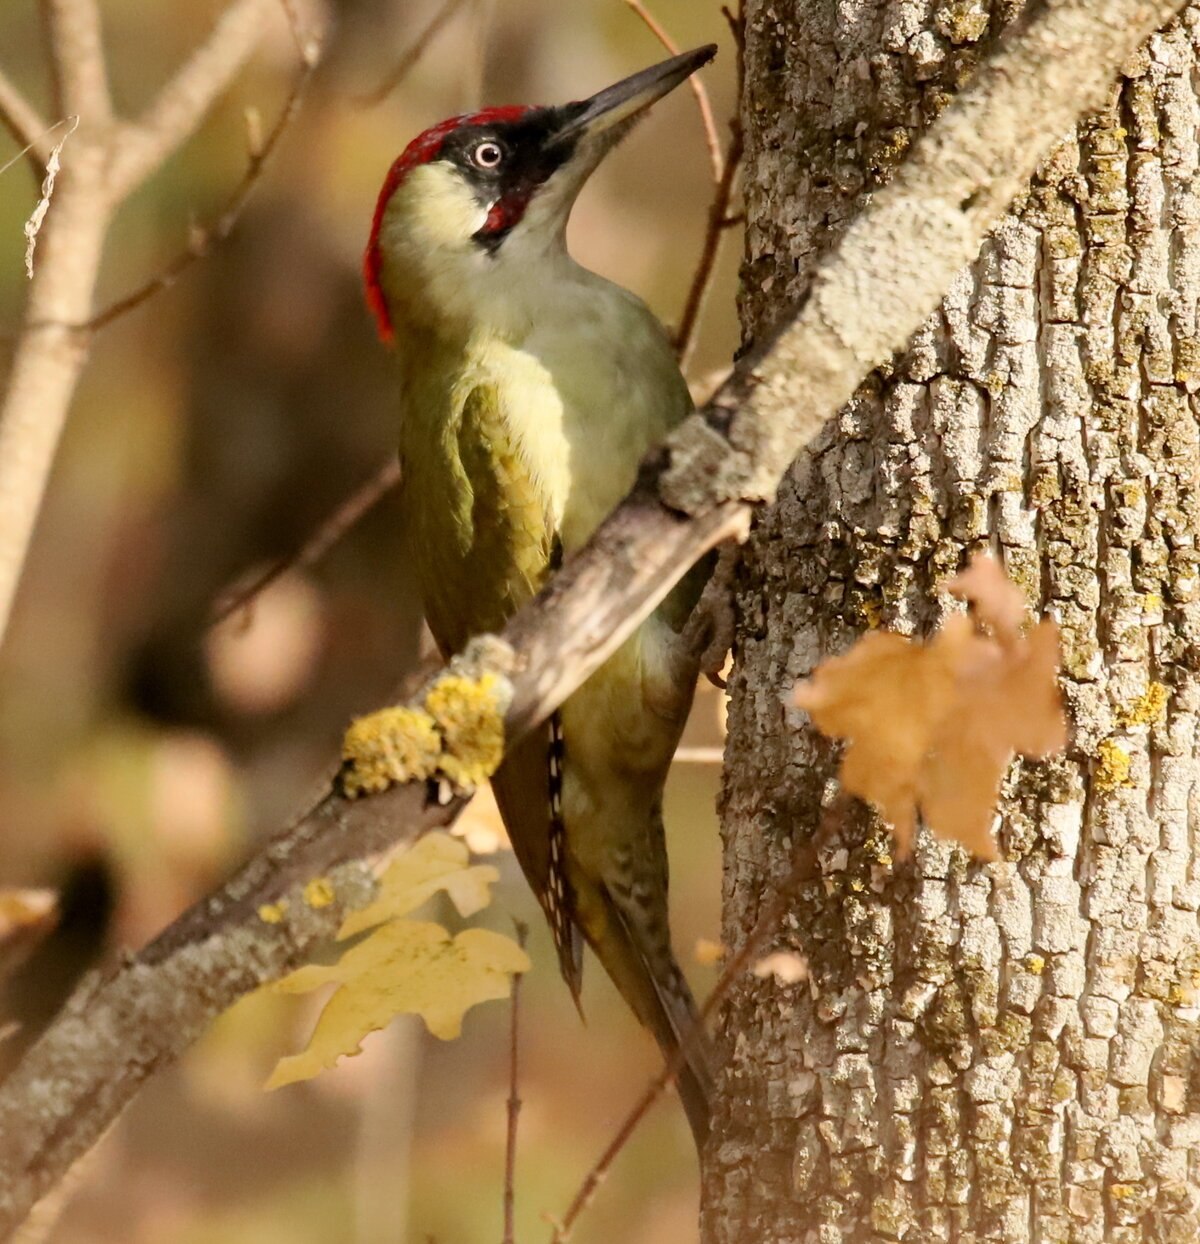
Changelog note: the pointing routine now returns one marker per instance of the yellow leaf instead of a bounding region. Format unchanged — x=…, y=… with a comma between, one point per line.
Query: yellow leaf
x=435, y=862
x=404, y=967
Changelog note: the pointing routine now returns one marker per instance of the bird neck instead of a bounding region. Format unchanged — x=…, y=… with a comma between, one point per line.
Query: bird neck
x=457, y=292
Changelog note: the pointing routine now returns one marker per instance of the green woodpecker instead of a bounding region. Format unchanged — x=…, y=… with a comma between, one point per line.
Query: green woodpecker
x=531, y=389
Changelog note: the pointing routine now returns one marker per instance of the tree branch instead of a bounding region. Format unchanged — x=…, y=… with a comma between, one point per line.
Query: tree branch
x=182, y=104
x=22, y=120
x=100, y=166
x=718, y=212
x=77, y=57
x=332, y=529
x=771, y=918
x=203, y=240
x=412, y=55
x=696, y=83
x=867, y=299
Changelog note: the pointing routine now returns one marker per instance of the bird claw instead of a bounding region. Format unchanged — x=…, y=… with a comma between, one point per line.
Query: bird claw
x=710, y=630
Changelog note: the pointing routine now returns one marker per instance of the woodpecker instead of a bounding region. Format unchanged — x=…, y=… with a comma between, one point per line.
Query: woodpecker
x=531, y=388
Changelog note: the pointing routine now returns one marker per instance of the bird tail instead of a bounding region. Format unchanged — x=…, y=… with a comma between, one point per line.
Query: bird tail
x=656, y=990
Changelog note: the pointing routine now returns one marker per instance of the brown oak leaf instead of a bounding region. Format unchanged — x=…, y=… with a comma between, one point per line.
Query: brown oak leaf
x=932, y=728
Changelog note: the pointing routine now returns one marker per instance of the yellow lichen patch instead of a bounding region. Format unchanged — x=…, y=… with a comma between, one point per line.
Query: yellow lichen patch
x=1148, y=707
x=1112, y=769
x=319, y=892
x=467, y=710
x=391, y=746
x=273, y=913
x=1125, y=1192
x=872, y=612
x=1035, y=964
x=457, y=735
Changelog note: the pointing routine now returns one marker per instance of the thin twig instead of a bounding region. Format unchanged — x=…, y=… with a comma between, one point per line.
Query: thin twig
x=203, y=241
x=718, y=223
x=699, y=90
x=409, y=59
x=764, y=928
x=23, y=121
x=346, y=516
x=737, y=24
x=183, y=103
x=514, y=1098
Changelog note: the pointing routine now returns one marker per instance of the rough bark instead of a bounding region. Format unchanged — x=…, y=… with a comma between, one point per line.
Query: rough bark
x=982, y=1053
x=692, y=493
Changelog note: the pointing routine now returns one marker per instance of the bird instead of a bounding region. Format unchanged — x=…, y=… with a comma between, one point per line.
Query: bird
x=531, y=387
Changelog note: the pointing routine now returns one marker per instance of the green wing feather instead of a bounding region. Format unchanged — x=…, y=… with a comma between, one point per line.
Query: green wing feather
x=483, y=545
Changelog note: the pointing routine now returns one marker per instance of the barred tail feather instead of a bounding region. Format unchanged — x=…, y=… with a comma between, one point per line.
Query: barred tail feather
x=529, y=797
x=559, y=905
x=668, y=1009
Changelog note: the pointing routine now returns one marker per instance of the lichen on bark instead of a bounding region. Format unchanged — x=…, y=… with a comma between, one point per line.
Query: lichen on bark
x=981, y=1053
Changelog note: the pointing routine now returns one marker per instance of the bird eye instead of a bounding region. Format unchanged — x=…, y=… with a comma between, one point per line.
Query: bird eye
x=487, y=154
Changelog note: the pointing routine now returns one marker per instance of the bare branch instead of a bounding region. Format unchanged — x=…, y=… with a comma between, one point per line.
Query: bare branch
x=104, y=162
x=514, y=1098
x=49, y=354
x=699, y=91
x=768, y=924
x=22, y=120
x=346, y=516
x=181, y=105
x=870, y=295
x=718, y=222
x=203, y=241
x=408, y=61
x=77, y=55
x=714, y=234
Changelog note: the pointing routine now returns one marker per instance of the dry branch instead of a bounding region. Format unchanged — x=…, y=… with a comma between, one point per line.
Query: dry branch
x=699, y=91
x=335, y=526
x=77, y=57
x=868, y=298
x=409, y=59
x=182, y=104
x=718, y=213
x=23, y=121
x=203, y=240
x=105, y=160
x=514, y=1099
x=774, y=911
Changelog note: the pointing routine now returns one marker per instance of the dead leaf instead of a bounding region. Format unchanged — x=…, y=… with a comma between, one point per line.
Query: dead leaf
x=933, y=727
x=404, y=967
x=996, y=599
x=26, y=916
x=786, y=966
x=708, y=953
x=435, y=862
x=480, y=826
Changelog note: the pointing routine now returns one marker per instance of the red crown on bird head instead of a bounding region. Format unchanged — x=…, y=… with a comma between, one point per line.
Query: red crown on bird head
x=423, y=149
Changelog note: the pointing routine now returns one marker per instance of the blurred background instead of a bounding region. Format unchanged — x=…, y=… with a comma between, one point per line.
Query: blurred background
x=144, y=752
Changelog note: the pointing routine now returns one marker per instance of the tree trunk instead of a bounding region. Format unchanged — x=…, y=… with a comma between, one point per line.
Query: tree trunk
x=1003, y=1052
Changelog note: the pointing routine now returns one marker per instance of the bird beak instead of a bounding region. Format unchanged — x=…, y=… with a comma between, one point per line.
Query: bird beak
x=613, y=110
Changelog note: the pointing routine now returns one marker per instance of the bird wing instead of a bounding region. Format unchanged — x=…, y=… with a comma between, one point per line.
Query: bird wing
x=507, y=546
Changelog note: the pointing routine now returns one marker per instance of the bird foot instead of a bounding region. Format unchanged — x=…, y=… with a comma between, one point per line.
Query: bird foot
x=710, y=629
